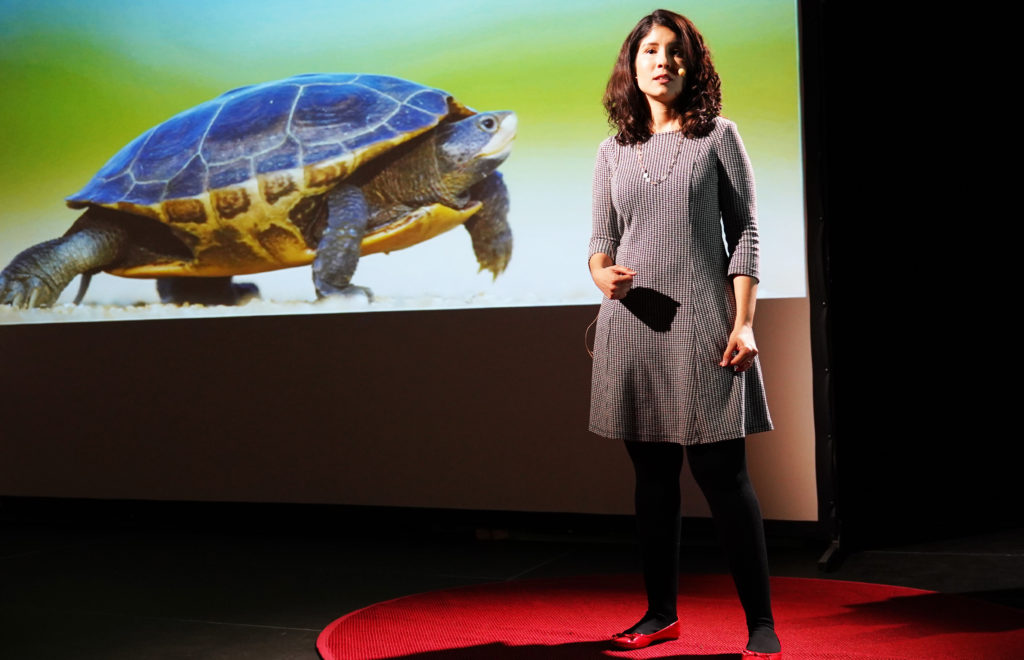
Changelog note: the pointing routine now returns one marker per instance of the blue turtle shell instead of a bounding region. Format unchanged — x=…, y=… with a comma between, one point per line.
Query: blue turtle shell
x=302, y=121
x=237, y=183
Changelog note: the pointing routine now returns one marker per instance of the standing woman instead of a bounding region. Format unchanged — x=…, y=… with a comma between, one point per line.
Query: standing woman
x=675, y=363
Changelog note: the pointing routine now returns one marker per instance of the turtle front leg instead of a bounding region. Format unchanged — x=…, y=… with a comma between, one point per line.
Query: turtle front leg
x=492, y=237
x=36, y=276
x=337, y=255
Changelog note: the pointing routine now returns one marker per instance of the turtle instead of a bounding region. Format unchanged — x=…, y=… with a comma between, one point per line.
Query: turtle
x=317, y=168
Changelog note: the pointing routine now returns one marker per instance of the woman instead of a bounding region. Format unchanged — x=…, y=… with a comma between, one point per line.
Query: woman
x=675, y=362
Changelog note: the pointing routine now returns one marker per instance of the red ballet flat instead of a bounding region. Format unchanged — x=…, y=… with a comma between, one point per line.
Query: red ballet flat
x=747, y=653
x=639, y=640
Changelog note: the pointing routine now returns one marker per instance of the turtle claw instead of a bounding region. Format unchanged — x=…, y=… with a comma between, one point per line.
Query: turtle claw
x=350, y=292
x=26, y=291
x=245, y=291
x=495, y=262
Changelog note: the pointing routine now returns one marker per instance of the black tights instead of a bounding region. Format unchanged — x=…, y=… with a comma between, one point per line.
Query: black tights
x=720, y=470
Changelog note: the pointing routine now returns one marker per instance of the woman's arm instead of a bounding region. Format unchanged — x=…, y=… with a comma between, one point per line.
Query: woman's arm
x=739, y=219
x=740, y=352
x=737, y=199
x=614, y=281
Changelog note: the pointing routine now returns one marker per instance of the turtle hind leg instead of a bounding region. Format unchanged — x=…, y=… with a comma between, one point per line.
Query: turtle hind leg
x=205, y=291
x=37, y=276
x=488, y=228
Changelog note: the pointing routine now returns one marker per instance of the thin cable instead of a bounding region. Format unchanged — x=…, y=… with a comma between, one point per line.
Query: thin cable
x=590, y=350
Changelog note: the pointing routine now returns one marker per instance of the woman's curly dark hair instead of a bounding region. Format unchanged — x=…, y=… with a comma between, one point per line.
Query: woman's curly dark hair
x=698, y=104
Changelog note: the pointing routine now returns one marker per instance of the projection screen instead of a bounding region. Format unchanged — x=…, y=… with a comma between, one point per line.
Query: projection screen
x=480, y=400
x=81, y=80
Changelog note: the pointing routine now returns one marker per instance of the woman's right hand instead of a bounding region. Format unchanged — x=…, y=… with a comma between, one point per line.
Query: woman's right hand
x=613, y=280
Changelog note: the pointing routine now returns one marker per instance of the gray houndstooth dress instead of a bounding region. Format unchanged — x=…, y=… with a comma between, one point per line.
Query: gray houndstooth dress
x=656, y=352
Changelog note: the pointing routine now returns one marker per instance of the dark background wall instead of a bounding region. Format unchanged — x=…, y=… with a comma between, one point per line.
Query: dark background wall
x=923, y=370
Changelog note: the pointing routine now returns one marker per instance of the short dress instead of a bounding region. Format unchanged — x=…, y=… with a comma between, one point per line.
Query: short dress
x=656, y=374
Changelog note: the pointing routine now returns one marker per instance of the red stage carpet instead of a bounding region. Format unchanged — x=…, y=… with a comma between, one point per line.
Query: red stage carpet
x=572, y=618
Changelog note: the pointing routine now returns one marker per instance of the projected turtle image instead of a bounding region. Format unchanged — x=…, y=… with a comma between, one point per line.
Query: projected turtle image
x=314, y=169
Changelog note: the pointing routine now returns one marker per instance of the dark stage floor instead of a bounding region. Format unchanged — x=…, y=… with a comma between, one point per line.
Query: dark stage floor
x=226, y=584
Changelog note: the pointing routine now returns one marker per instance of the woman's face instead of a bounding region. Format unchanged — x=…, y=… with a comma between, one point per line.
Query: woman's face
x=657, y=65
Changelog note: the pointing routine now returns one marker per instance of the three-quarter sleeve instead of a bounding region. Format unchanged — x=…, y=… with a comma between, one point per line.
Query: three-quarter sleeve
x=738, y=203
x=606, y=230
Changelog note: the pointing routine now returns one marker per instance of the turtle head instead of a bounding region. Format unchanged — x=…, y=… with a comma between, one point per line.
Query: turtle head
x=469, y=149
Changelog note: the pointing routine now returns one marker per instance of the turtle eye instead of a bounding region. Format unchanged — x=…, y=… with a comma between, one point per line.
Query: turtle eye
x=488, y=124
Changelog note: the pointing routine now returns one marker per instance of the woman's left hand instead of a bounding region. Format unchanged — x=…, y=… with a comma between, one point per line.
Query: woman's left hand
x=741, y=351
